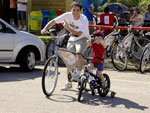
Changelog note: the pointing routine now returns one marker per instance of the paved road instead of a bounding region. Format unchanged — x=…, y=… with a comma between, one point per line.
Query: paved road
x=21, y=92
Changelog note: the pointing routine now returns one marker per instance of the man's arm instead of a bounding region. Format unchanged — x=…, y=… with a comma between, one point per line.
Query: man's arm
x=89, y=9
x=48, y=26
x=72, y=31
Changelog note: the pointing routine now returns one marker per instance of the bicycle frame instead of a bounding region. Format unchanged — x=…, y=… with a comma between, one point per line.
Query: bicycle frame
x=69, y=58
x=127, y=43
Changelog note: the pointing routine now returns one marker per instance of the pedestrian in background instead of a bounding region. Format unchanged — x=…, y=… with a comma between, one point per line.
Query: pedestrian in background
x=89, y=10
x=21, y=12
x=13, y=13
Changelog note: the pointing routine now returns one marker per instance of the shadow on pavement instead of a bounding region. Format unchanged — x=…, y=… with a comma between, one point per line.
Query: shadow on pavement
x=62, y=98
x=15, y=74
x=96, y=100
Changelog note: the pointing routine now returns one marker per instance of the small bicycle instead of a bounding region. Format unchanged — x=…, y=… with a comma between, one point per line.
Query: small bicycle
x=94, y=83
x=50, y=72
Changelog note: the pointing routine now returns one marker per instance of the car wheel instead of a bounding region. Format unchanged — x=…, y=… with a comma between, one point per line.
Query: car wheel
x=27, y=61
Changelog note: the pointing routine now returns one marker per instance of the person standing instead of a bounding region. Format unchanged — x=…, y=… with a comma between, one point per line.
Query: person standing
x=89, y=10
x=21, y=12
x=13, y=12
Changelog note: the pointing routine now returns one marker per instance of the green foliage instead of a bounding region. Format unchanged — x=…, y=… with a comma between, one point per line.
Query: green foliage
x=45, y=38
x=143, y=5
x=130, y=3
x=101, y=8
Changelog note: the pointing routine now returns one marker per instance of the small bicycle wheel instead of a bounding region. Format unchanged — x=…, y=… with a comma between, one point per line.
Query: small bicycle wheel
x=81, y=89
x=50, y=76
x=145, y=60
x=104, y=91
x=119, y=58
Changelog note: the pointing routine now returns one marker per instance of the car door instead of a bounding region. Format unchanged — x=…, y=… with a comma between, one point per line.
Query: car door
x=6, y=42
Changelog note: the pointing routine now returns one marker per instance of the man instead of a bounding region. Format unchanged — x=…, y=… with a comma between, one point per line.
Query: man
x=21, y=12
x=89, y=10
x=77, y=25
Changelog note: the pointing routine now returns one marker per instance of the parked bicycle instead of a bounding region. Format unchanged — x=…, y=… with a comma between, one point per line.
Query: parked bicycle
x=145, y=59
x=130, y=47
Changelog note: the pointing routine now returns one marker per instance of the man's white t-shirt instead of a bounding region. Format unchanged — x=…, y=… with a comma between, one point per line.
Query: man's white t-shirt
x=22, y=7
x=79, y=25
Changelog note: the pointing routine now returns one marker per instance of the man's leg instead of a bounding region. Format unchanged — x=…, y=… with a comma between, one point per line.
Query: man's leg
x=68, y=84
x=80, y=46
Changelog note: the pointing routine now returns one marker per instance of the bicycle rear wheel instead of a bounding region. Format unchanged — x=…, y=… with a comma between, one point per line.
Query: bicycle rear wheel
x=104, y=91
x=119, y=58
x=50, y=76
x=145, y=60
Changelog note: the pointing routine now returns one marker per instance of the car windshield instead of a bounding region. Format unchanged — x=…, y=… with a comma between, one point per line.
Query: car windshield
x=123, y=6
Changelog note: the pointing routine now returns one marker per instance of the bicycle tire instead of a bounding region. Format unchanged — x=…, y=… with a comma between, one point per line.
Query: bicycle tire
x=119, y=58
x=50, y=76
x=81, y=89
x=50, y=49
x=145, y=60
x=104, y=91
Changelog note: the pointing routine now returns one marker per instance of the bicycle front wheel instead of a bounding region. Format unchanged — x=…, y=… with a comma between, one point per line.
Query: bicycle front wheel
x=81, y=89
x=50, y=49
x=119, y=58
x=145, y=60
x=50, y=76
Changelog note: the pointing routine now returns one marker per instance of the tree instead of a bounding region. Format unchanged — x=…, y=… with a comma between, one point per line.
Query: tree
x=143, y=5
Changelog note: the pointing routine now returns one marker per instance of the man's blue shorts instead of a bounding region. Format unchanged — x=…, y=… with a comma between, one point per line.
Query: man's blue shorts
x=99, y=66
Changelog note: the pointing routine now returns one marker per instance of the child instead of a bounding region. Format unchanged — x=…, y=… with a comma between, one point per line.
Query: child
x=98, y=51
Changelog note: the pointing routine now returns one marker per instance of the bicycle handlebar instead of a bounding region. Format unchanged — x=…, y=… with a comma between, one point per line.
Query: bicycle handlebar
x=50, y=32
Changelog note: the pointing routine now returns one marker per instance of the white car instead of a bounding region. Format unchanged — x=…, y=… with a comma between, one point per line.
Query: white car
x=19, y=47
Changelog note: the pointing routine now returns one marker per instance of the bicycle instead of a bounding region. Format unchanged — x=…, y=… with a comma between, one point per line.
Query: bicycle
x=145, y=59
x=131, y=46
x=50, y=72
x=94, y=83
x=62, y=43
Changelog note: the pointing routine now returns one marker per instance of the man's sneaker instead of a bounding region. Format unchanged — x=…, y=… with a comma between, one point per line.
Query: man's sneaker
x=104, y=84
x=66, y=87
x=76, y=78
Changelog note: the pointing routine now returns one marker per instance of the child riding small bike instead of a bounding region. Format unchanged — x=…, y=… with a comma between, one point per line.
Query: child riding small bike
x=98, y=48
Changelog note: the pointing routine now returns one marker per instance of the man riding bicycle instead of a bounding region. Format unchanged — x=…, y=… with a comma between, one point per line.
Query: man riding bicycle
x=77, y=24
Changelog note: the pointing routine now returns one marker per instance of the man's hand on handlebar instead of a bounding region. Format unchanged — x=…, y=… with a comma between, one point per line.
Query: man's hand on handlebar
x=43, y=31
